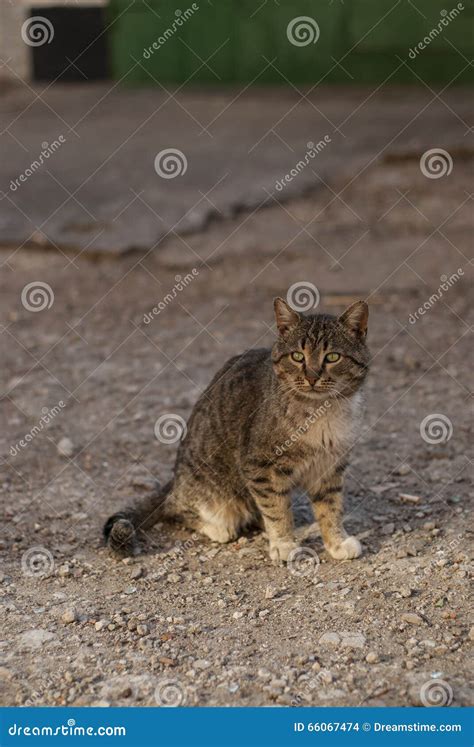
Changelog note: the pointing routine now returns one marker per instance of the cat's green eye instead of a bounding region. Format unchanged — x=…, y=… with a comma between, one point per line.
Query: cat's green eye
x=298, y=357
x=333, y=357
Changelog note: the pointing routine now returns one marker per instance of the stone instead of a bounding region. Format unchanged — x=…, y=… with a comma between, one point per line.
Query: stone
x=411, y=618
x=407, y=498
x=35, y=638
x=137, y=572
x=353, y=640
x=202, y=664
x=65, y=447
x=330, y=639
x=69, y=615
x=372, y=657
x=403, y=469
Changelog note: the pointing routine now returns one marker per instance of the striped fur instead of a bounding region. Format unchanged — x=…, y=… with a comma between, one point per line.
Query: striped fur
x=268, y=423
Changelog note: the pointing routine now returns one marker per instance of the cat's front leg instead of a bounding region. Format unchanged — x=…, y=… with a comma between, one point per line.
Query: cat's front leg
x=328, y=504
x=271, y=493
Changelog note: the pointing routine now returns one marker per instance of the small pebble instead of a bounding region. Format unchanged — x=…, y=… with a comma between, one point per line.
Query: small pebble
x=407, y=498
x=65, y=447
x=136, y=572
x=404, y=469
x=69, y=615
x=412, y=618
x=372, y=657
x=202, y=664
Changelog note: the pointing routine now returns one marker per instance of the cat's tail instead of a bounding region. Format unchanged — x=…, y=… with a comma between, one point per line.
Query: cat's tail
x=120, y=530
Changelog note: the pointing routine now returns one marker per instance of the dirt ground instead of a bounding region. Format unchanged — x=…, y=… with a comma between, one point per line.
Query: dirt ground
x=189, y=622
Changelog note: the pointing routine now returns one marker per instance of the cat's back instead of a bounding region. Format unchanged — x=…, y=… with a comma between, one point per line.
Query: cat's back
x=246, y=370
x=237, y=386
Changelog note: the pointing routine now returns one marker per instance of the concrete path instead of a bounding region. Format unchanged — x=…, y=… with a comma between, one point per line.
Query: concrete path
x=78, y=162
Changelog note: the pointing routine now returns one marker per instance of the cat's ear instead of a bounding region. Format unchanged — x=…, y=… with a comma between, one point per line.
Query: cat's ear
x=355, y=318
x=286, y=317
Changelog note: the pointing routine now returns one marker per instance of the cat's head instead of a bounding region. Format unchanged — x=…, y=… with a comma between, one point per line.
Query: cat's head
x=318, y=355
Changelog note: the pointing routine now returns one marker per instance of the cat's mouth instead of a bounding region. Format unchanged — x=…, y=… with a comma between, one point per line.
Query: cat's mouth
x=319, y=392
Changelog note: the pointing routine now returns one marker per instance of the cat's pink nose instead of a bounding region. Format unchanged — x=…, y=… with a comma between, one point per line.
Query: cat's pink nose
x=311, y=380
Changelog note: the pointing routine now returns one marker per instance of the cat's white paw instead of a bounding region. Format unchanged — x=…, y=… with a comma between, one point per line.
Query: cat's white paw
x=280, y=551
x=346, y=550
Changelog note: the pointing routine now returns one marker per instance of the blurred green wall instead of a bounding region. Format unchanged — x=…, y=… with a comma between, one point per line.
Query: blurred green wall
x=241, y=41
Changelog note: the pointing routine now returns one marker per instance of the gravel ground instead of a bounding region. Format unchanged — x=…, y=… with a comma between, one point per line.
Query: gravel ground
x=201, y=624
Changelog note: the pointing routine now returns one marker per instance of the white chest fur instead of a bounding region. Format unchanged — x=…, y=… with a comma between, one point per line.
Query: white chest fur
x=330, y=433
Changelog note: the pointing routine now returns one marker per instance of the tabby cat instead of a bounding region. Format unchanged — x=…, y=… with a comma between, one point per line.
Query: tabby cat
x=269, y=421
